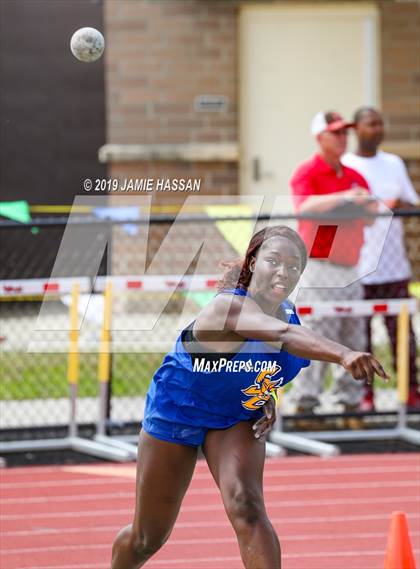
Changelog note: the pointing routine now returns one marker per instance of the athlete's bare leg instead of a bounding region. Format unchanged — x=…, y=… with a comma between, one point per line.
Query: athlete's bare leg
x=236, y=461
x=164, y=471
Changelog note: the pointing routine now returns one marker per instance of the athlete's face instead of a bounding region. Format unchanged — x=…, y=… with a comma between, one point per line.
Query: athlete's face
x=276, y=270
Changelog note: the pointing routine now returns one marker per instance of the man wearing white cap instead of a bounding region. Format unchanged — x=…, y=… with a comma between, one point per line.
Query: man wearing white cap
x=323, y=184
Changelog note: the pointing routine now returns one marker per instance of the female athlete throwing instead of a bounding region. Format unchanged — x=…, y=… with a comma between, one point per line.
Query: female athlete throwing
x=217, y=389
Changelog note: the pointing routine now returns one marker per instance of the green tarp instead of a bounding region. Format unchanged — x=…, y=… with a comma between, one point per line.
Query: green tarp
x=18, y=211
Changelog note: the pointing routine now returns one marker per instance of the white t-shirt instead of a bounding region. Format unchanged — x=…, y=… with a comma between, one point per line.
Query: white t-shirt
x=383, y=257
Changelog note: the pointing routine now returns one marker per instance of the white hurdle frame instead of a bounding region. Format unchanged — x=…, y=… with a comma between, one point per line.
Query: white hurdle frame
x=72, y=441
x=314, y=442
x=121, y=449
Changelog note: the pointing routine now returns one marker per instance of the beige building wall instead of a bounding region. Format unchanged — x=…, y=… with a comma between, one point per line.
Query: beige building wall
x=295, y=60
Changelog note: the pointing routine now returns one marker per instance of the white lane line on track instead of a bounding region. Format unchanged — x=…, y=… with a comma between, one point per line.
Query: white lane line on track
x=236, y=559
x=201, y=491
x=406, y=462
x=198, y=541
x=220, y=540
x=108, y=480
x=73, y=566
x=389, y=459
x=170, y=561
x=358, y=554
x=219, y=507
x=302, y=520
x=280, y=468
x=226, y=559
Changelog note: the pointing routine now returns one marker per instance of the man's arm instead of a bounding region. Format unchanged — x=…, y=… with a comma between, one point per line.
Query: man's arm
x=307, y=200
x=305, y=196
x=328, y=202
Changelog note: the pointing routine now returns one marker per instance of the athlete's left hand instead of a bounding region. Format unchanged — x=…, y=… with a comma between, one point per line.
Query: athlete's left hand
x=263, y=425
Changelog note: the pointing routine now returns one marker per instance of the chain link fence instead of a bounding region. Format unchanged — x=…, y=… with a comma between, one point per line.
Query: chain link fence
x=145, y=319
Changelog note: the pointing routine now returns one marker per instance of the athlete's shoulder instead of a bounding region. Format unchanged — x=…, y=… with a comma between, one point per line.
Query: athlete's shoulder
x=287, y=302
x=226, y=304
x=228, y=300
x=238, y=291
x=290, y=311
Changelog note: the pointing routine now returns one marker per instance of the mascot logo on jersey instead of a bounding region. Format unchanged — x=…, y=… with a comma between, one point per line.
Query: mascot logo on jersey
x=262, y=387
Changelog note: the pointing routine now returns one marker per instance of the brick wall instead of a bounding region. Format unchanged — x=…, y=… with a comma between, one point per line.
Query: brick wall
x=216, y=178
x=400, y=22
x=160, y=56
x=400, y=29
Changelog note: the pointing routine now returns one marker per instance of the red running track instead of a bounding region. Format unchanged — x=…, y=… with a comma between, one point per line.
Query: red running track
x=329, y=514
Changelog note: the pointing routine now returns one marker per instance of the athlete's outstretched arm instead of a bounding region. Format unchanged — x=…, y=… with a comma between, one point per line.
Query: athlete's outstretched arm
x=244, y=317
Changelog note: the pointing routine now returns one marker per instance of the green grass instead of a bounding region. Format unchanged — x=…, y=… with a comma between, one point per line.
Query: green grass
x=41, y=376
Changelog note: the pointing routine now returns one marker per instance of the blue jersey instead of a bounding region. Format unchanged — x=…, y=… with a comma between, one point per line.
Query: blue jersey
x=217, y=394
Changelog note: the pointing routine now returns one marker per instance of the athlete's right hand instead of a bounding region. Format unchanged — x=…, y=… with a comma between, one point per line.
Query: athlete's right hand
x=263, y=425
x=363, y=366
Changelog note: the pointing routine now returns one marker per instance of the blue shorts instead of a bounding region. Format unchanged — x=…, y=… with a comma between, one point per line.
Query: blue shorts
x=174, y=432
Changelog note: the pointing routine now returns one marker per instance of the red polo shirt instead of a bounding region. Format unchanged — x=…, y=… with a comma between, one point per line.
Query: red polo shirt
x=338, y=241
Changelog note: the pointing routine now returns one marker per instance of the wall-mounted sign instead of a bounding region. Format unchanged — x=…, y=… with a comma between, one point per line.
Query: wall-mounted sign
x=211, y=104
